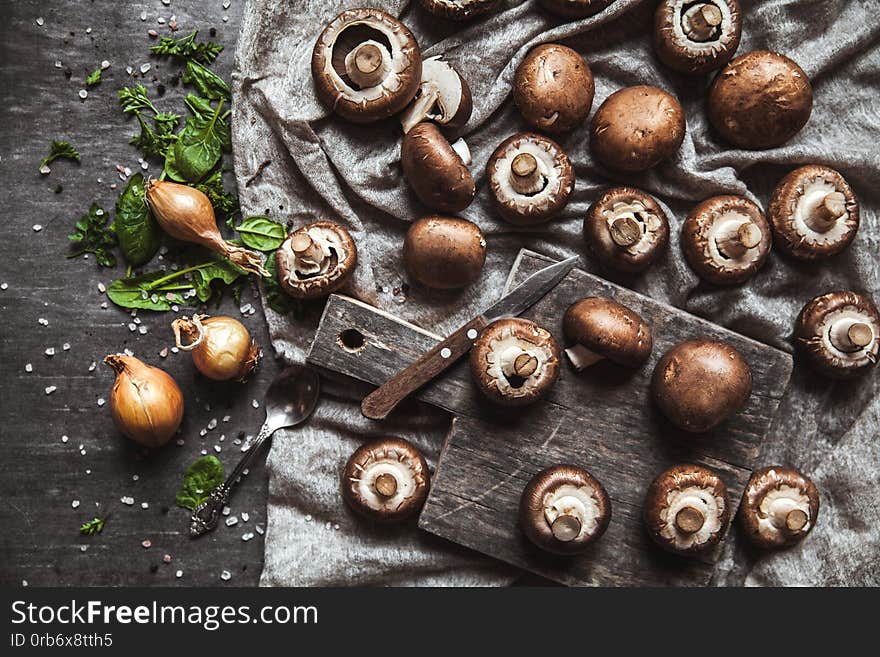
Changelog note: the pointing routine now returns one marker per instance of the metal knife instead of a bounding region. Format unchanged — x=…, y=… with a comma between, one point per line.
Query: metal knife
x=379, y=403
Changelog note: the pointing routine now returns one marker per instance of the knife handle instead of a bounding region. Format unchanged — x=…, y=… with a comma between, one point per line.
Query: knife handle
x=379, y=403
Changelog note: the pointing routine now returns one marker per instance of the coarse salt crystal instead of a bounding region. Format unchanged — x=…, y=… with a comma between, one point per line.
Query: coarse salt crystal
x=145, y=505
x=255, y=403
x=92, y=366
x=226, y=4
x=101, y=401
x=247, y=536
x=128, y=352
x=127, y=499
x=51, y=389
x=203, y=432
x=160, y=20
x=145, y=67
x=4, y=286
x=74, y=504
x=83, y=94
x=180, y=441
x=164, y=353
x=66, y=346
x=245, y=517
x=225, y=575
x=28, y=368
x=64, y=439
x=135, y=477
x=217, y=448
x=45, y=170
x=105, y=64
x=231, y=520
x=212, y=424
x=40, y=21
x=58, y=63
x=50, y=351
x=226, y=511
x=82, y=452
x=309, y=518
x=83, y=548
x=37, y=228
x=166, y=558
x=204, y=452
x=88, y=30
x=129, y=70
x=132, y=327
x=143, y=330
x=147, y=544
x=104, y=305
x=102, y=288
x=260, y=529
x=178, y=574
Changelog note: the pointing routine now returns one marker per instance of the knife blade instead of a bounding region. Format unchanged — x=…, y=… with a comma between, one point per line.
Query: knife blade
x=379, y=403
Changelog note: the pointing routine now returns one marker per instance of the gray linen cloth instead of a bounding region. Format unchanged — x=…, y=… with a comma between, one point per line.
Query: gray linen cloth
x=297, y=162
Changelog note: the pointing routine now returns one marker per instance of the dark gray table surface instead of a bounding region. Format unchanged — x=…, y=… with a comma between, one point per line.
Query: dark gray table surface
x=42, y=476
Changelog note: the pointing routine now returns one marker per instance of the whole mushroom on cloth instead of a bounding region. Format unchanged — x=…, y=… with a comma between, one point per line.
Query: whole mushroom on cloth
x=459, y=10
x=779, y=507
x=444, y=252
x=436, y=170
x=443, y=98
x=601, y=328
x=696, y=37
x=315, y=260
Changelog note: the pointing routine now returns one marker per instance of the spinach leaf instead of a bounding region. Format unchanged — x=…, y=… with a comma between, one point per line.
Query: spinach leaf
x=94, y=236
x=198, y=148
x=139, y=234
x=207, y=83
x=200, y=479
x=221, y=270
x=153, y=291
x=276, y=297
x=261, y=233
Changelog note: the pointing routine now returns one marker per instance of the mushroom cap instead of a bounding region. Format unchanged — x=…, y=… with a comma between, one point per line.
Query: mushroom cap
x=687, y=486
x=554, y=166
x=622, y=202
x=779, y=507
x=700, y=383
x=459, y=10
x=610, y=329
x=637, y=128
x=575, y=8
x=760, y=100
x=679, y=51
x=564, y=490
x=816, y=329
x=302, y=277
x=444, y=252
x=386, y=456
x=553, y=88
x=510, y=345
x=433, y=169
x=444, y=97
x=796, y=198
x=708, y=223
x=336, y=90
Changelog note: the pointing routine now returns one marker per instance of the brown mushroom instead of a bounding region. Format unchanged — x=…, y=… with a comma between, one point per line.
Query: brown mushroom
x=386, y=480
x=839, y=333
x=779, y=507
x=637, y=128
x=553, y=88
x=514, y=361
x=726, y=239
x=626, y=229
x=564, y=509
x=603, y=328
x=458, y=10
x=700, y=383
x=696, y=37
x=814, y=213
x=530, y=177
x=760, y=100
x=443, y=98
x=366, y=65
x=436, y=170
x=687, y=509
x=444, y=252
x=575, y=8
x=315, y=260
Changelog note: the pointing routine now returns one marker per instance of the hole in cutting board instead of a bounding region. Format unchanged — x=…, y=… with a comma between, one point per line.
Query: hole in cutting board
x=351, y=340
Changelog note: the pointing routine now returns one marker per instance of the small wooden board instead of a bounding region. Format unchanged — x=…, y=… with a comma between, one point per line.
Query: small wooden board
x=602, y=419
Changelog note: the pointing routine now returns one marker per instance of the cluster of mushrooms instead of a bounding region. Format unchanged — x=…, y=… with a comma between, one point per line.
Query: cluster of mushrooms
x=367, y=66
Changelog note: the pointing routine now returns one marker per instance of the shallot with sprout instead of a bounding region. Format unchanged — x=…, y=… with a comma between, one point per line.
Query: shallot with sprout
x=221, y=347
x=186, y=214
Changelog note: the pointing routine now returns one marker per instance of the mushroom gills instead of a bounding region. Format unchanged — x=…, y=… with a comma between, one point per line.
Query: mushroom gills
x=315, y=253
x=734, y=236
x=518, y=365
x=516, y=362
x=822, y=209
x=439, y=97
x=692, y=515
x=361, y=56
x=571, y=511
x=850, y=333
x=701, y=22
x=386, y=482
x=784, y=509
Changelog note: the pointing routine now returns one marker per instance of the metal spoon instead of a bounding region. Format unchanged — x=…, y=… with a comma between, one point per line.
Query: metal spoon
x=290, y=400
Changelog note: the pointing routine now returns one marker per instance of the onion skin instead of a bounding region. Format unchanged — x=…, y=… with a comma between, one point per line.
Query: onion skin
x=221, y=347
x=146, y=403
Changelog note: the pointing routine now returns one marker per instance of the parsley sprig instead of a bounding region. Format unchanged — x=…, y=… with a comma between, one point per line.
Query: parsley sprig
x=93, y=526
x=93, y=235
x=60, y=149
x=188, y=48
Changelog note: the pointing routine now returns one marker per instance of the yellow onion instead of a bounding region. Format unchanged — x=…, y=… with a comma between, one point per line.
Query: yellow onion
x=221, y=347
x=146, y=404
x=186, y=213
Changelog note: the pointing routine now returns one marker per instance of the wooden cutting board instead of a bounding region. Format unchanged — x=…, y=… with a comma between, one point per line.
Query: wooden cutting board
x=602, y=420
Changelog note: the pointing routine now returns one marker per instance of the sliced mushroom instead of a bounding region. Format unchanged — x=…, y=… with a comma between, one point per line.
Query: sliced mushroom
x=514, y=361
x=700, y=383
x=626, y=229
x=760, y=100
x=637, y=128
x=814, y=213
x=459, y=10
x=575, y=8
x=436, y=170
x=779, y=507
x=687, y=509
x=726, y=239
x=530, y=177
x=366, y=65
x=315, y=260
x=443, y=97
x=386, y=480
x=839, y=333
x=564, y=509
x=553, y=88
x=602, y=328
x=696, y=37
x=444, y=252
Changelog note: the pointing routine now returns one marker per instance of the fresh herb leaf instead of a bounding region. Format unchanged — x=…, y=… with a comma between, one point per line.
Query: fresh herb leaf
x=187, y=47
x=92, y=235
x=225, y=203
x=198, y=148
x=139, y=234
x=261, y=233
x=60, y=149
x=93, y=526
x=207, y=83
x=200, y=479
x=221, y=270
x=156, y=141
x=134, y=100
x=94, y=78
x=277, y=299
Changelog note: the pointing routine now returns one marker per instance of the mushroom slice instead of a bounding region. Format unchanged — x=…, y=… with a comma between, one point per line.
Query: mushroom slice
x=760, y=100
x=687, y=509
x=575, y=8
x=315, y=260
x=814, y=213
x=386, y=480
x=602, y=328
x=530, y=177
x=626, y=229
x=839, y=333
x=696, y=37
x=444, y=252
x=443, y=97
x=459, y=10
x=514, y=361
x=726, y=239
x=779, y=507
x=564, y=509
x=437, y=170
x=366, y=65
x=700, y=383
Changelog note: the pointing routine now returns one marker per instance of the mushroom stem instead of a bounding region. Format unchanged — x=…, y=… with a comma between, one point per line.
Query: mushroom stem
x=735, y=240
x=850, y=335
x=827, y=212
x=525, y=175
x=699, y=22
x=625, y=230
x=386, y=485
x=795, y=521
x=306, y=249
x=516, y=362
x=565, y=528
x=421, y=107
x=689, y=520
x=460, y=147
x=581, y=357
x=368, y=64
